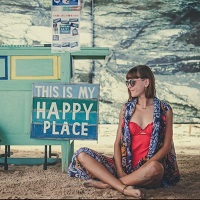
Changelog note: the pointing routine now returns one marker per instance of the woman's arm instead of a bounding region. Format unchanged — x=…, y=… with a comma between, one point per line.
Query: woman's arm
x=117, y=146
x=167, y=140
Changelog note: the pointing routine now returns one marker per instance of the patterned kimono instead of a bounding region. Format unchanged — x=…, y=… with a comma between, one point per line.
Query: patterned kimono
x=171, y=172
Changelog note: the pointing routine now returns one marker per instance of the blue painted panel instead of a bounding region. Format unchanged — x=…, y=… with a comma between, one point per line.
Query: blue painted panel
x=68, y=118
x=3, y=68
x=64, y=90
x=56, y=131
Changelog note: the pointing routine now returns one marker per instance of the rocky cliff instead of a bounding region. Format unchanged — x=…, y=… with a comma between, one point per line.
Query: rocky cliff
x=163, y=34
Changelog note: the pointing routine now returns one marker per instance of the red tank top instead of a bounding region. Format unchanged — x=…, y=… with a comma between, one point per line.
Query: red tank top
x=140, y=140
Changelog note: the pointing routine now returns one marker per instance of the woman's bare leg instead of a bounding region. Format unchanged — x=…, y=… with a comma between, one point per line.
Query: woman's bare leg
x=149, y=175
x=96, y=184
x=100, y=172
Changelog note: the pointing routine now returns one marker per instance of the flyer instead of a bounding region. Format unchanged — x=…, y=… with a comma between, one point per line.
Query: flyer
x=66, y=25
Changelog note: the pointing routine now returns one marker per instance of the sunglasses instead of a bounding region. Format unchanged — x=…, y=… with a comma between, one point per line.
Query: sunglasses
x=131, y=82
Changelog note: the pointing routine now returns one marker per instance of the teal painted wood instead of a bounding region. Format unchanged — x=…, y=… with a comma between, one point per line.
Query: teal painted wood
x=20, y=85
x=60, y=101
x=85, y=52
x=30, y=161
x=38, y=67
x=69, y=150
x=66, y=68
x=24, y=139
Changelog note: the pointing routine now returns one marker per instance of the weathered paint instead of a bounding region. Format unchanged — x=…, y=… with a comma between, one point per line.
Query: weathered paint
x=35, y=67
x=58, y=115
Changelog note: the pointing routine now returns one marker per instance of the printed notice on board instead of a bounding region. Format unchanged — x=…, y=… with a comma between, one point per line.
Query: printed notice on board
x=65, y=111
x=66, y=25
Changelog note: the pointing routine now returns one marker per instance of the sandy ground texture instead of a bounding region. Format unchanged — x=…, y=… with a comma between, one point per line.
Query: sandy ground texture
x=32, y=182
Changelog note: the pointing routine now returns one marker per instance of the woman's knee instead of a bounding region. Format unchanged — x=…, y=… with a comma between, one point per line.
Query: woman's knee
x=81, y=153
x=82, y=156
x=155, y=168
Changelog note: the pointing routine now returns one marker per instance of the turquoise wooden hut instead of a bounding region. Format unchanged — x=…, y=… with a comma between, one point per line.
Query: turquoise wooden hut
x=20, y=67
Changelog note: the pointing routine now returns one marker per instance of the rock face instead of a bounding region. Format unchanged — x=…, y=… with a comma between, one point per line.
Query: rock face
x=162, y=34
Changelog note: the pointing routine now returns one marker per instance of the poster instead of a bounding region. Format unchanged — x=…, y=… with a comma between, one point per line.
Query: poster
x=65, y=111
x=66, y=25
x=65, y=2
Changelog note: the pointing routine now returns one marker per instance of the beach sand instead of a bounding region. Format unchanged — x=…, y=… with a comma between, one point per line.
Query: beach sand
x=32, y=182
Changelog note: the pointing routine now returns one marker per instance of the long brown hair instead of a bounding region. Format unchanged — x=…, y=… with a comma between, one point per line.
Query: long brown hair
x=143, y=72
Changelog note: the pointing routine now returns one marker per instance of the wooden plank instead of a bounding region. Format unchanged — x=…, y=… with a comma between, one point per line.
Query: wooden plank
x=20, y=85
x=24, y=139
x=85, y=52
x=91, y=53
x=29, y=161
x=67, y=153
x=34, y=67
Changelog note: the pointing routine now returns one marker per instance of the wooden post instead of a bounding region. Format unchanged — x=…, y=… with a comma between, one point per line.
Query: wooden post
x=190, y=129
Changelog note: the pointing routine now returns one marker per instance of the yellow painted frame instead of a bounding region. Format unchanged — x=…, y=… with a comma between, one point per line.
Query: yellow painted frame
x=56, y=68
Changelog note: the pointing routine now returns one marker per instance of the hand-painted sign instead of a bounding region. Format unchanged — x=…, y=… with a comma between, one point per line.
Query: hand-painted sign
x=65, y=111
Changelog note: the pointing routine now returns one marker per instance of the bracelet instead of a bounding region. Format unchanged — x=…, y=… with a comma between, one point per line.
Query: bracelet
x=124, y=189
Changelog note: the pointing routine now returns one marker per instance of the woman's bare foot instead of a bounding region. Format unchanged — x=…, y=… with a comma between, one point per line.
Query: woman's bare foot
x=127, y=191
x=96, y=184
x=131, y=191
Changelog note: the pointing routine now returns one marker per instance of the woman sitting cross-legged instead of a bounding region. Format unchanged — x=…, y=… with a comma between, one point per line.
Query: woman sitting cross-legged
x=144, y=154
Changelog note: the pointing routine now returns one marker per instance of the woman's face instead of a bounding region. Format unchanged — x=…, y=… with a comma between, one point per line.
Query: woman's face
x=136, y=86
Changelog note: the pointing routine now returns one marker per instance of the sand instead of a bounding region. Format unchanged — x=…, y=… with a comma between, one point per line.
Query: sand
x=32, y=182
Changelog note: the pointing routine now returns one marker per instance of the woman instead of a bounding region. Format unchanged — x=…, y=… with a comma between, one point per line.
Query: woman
x=144, y=154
